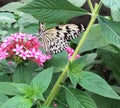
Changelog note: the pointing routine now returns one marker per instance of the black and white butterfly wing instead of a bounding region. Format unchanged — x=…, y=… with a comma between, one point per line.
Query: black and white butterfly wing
x=56, y=39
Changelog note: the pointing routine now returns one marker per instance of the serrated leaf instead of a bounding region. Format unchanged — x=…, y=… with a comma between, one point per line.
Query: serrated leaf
x=17, y=102
x=114, y=5
x=59, y=61
x=42, y=80
x=22, y=74
x=111, y=31
x=96, y=84
x=94, y=40
x=52, y=10
x=79, y=99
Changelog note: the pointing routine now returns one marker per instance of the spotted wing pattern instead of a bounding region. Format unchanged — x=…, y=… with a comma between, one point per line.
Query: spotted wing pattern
x=56, y=39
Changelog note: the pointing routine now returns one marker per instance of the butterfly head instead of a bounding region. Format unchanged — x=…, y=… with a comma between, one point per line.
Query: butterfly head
x=41, y=29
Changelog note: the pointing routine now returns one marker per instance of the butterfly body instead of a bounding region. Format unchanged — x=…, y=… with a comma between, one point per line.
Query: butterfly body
x=56, y=39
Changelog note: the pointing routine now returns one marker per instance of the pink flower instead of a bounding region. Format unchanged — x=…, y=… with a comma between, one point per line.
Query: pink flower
x=55, y=104
x=70, y=52
x=18, y=49
x=24, y=54
x=3, y=54
x=23, y=45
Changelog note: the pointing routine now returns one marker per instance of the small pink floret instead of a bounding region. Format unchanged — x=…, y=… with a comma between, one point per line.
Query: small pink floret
x=70, y=52
x=23, y=45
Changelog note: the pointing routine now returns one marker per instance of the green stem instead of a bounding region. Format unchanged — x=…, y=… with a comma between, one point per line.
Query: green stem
x=63, y=75
x=90, y=5
x=94, y=15
x=56, y=86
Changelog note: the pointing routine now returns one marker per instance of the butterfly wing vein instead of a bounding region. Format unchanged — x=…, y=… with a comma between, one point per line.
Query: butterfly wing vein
x=56, y=39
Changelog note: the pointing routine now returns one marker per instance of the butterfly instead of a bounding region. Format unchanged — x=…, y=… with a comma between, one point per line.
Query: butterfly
x=56, y=39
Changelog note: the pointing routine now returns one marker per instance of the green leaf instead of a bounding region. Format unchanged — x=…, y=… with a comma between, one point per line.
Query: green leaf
x=78, y=65
x=8, y=88
x=42, y=80
x=74, y=69
x=79, y=99
x=22, y=74
x=94, y=83
x=77, y=3
x=17, y=102
x=111, y=31
x=114, y=5
x=116, y=88
x=23, y=88
x=31, y=28
x=52, y=10
x=5, y=78
x=90, y=60
x=6, y=17
x=112, y=61
x=3, y=98
x=43, y=107
x=111, y=48
x=26, y=103
x=94, y=40
x=11, y=7
x=103, y=102
x=59, y=61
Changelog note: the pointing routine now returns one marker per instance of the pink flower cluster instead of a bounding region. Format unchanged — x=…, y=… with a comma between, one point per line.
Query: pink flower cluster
x=70, y=52
x=23, y=45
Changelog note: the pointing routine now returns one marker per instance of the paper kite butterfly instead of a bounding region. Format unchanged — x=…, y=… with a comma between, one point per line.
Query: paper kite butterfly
x=56, y=39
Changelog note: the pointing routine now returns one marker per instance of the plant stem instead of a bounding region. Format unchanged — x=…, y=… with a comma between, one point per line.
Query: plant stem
x=63, y=75
x=56, y=86
x=94, y=15
x=90, y=5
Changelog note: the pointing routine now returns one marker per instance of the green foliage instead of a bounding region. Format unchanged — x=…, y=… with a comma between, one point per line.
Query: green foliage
x=42, y=80
x=79, y=65
x=111, y=31
x=52, y=10
x=3, y=98
x=24, y=94
x=22, y=74
x=17, y=102
x=114, y=6
x=96, y=84
x=95, y=39
x=8, y=88
x=107, y=102
x=77, y=2
x=111, y=61
x=79, y=99
x=58, y=61
x=91, y=81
